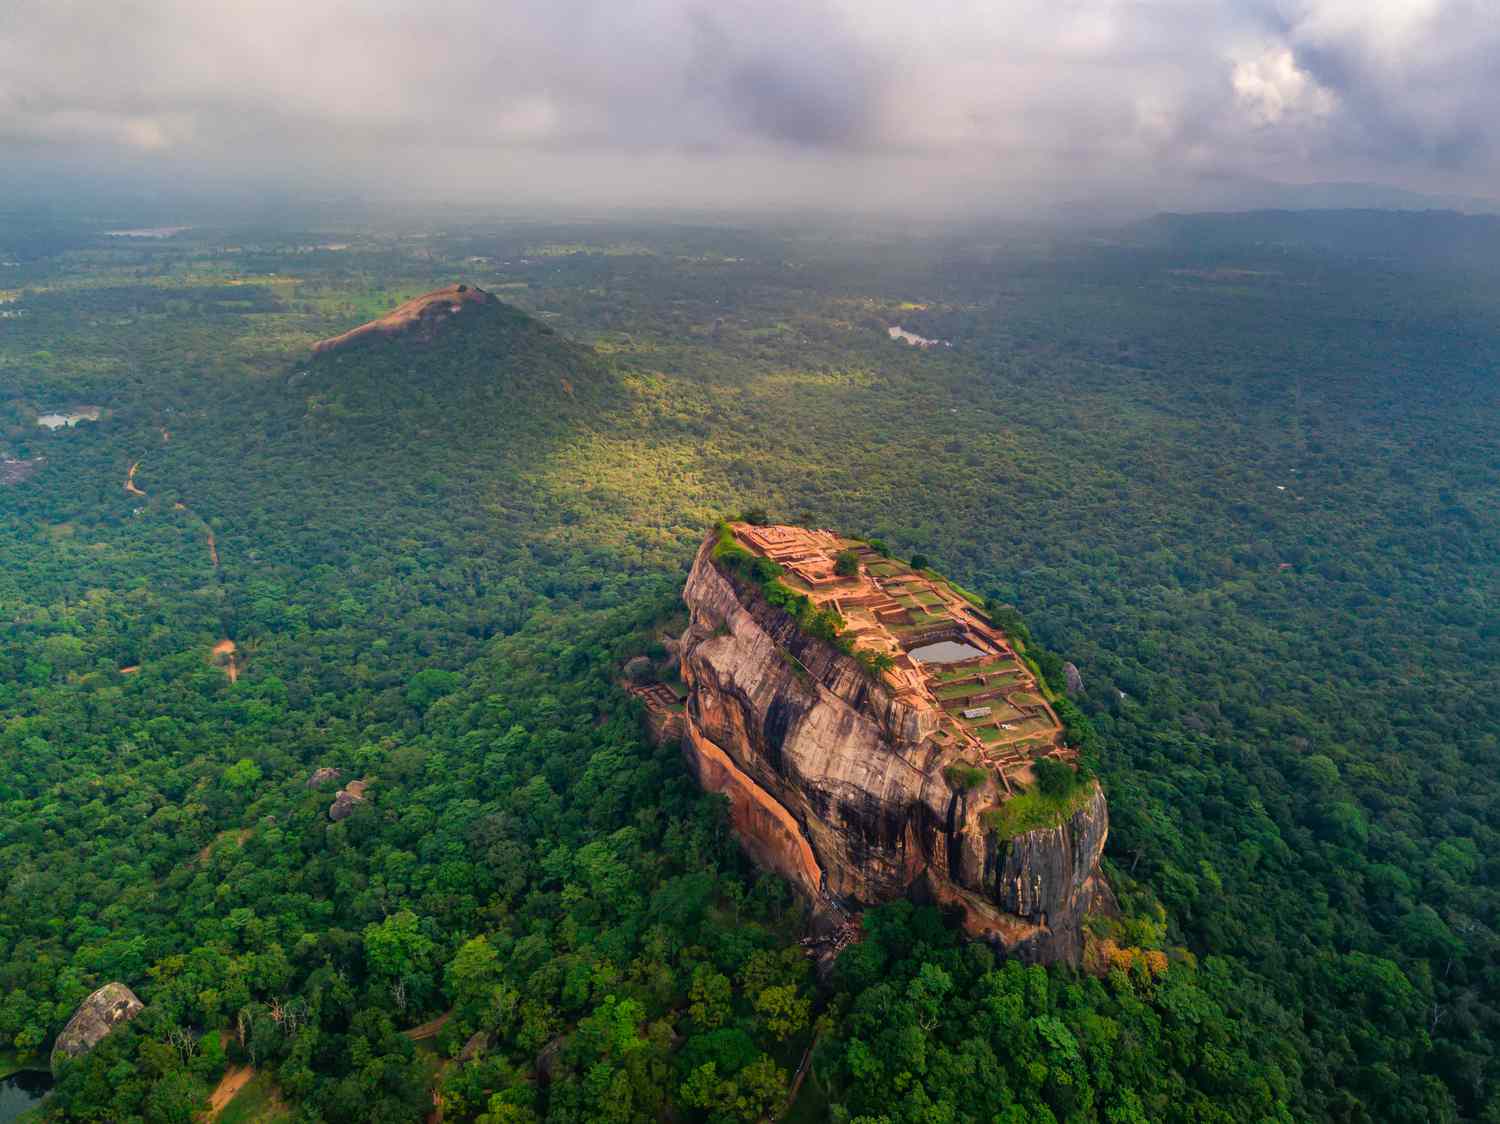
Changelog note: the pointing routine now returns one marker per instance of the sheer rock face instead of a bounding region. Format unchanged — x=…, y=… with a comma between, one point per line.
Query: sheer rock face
x=112, y=1005
x=832, y=782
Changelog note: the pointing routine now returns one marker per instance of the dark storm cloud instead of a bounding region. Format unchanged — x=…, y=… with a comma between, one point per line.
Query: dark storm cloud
x=735, y=102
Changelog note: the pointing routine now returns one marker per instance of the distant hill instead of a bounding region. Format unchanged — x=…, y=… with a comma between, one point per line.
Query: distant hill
x=1446, y=238
x=455, y=360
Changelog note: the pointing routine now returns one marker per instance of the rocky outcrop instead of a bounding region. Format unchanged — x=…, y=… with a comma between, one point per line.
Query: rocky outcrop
x=346, y=800
x=326, y=775
x=1073, y=678
x=111, y=1006
x=839, y=785
x=417, y=320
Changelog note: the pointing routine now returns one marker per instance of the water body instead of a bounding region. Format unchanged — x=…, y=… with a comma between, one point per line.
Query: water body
x=21, y=1092
x=57, y=421
x=946, y=651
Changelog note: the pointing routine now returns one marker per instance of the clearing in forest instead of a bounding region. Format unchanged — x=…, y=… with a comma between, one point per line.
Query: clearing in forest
x=223, y=655
x=235, y=1078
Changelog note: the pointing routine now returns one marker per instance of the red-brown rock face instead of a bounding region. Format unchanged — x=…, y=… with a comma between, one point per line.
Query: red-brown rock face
x=832, y=782
x=418, y=319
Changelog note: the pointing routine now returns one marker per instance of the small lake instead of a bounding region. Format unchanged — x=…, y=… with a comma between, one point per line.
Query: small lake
x=21, y=1092
x=57, y=421
x=946, y=651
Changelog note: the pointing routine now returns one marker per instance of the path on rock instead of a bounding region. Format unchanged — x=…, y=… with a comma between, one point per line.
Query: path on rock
x=235, y=1078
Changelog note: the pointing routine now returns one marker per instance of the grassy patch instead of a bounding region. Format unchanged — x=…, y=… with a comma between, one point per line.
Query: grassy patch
x=259, y=1102
x=961, y=691
x=1033, y=811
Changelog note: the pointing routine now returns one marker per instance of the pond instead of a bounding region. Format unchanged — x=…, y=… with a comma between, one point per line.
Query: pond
x=21, y=1092
x=57, y=421
x=946, y=651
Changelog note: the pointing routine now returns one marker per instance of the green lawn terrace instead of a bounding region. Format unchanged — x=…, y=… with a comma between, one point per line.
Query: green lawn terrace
x=991, y=710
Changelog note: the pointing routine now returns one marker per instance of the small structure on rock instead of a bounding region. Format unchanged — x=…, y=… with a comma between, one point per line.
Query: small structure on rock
x=322, y=776
x=348, y=798
x=111, y=1006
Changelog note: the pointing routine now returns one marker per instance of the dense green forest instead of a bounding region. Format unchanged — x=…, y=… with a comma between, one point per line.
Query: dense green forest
x=1243, y=471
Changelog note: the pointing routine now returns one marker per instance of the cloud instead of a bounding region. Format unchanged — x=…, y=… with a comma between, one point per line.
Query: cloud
x=955, y=103
x=1272, y=87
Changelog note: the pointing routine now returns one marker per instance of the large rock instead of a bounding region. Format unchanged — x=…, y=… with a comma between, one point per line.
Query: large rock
x=1073, y=678
x=325, y=775
x=111, y=1006
x=837, y=785
x=351, y=796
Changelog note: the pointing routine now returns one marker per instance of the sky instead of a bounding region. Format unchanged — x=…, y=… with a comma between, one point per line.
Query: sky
x=1002, y=106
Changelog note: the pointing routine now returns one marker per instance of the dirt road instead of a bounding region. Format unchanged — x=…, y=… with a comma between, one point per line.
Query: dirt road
x=235, y=1078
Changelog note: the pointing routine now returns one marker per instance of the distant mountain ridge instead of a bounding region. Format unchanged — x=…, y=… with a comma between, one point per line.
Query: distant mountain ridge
x=1447, y=238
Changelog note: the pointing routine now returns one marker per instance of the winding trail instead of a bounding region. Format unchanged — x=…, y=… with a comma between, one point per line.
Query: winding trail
x=130, y=481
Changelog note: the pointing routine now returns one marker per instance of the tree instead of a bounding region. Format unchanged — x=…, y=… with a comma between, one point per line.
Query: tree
x=710, y=997
x=783, y=1010
x=242, y=774
x=846, y=564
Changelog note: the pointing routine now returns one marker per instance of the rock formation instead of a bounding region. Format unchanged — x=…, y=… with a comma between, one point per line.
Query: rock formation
x=323, y=776
x=851, y=783
x=346, y=800
x=418, y=319
x=112, y=1005
x=1073, y=678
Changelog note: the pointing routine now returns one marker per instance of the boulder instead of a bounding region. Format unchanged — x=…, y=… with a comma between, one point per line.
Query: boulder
x=638, y=669
x=348, y=798
x=323, y=776
x=112, y=1005
x=1073, y=678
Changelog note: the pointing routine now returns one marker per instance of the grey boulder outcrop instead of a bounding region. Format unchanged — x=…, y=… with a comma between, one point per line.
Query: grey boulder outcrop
x=111, y=1006
x=1073, y=678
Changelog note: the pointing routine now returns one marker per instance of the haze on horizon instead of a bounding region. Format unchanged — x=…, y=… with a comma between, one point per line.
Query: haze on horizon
x=1007, y=107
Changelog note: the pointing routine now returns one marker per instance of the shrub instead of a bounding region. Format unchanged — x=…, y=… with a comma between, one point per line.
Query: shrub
x=964, y=776
x=1054, y=778
x=846, y=565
